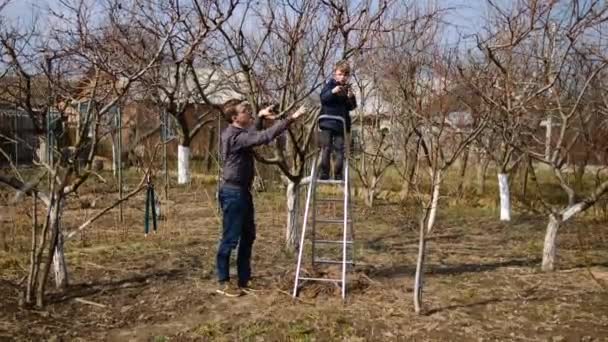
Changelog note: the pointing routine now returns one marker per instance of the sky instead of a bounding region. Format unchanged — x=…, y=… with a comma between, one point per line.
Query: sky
x=464, y=19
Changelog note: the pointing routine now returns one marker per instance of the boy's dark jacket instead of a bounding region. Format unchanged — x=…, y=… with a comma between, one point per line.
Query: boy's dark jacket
x=335, y=104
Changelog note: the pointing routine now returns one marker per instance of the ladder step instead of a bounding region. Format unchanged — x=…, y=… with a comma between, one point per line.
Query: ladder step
x=306, y=180
x=329, y=200
x=322, y=279
x=332, y=221
x=330, y=181
x=328, y=261
x=332, y=241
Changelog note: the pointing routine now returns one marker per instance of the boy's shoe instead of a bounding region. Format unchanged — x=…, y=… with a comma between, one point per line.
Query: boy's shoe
x=229, y=291
x=338, y=177
x=323, y=176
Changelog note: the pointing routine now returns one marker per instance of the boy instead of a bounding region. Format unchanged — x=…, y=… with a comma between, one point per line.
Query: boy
x=337, y=99
x=237, y=142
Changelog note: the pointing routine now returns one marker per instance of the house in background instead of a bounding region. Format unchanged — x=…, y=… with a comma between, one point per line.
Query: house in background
x=18, y=138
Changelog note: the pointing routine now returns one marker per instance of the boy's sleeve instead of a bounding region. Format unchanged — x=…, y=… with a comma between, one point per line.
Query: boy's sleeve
x=352, y=103
x=327, y=97
x=255, y=138
x=348, y=122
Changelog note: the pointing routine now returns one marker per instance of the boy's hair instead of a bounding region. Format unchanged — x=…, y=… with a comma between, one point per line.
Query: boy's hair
x=232, y=108
x=342, y=66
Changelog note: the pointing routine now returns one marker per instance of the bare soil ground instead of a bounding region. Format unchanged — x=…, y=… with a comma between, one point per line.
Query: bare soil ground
x=483, y=281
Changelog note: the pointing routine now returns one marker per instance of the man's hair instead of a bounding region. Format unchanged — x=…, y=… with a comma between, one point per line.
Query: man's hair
x=342, y=66
x=232, y=108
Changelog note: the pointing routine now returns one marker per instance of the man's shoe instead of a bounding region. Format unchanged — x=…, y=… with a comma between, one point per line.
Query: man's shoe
x=338, y=177
x=323, y=176
x=248, y=290
x=229, y=291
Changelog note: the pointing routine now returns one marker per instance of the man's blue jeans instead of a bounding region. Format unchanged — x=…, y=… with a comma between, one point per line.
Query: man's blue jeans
x=238, y=229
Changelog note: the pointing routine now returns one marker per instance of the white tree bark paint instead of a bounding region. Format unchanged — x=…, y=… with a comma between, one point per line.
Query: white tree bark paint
x=418, y=279
x=549, y=248
x=505, y=198
x=434, y=202
x=183, y=164
x=60, y=269
x=370, y=192
x=550, y=244
x=291, y=230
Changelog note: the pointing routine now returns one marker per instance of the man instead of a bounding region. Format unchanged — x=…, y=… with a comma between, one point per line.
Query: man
x=237, y=143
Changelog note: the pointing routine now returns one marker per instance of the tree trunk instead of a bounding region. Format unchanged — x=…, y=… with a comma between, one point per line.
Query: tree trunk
x=209, y=156
x=505, y=198
x=183, y=164
x=44, y=261
x=34, y=265
x=370, y=192
x=481, y=175
x=524, y=190
x=411, y=168
x=549, y=248
x=430, y=222
x=60, y=268
x=418, y=280
x=115, y=154
x=291, y=233
x=463, y=170
x=434, y=200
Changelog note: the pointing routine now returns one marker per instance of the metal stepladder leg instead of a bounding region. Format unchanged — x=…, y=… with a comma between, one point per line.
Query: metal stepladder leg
x=310, y=214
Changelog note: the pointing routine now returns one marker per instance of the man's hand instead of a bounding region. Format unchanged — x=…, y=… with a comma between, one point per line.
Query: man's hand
x=268, y=113
x=299, y=113
x=337, y=90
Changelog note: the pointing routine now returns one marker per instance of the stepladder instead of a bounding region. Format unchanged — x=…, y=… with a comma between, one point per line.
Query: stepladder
x=327, y=236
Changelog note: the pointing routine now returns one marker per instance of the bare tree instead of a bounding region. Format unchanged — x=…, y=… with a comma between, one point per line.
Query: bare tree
x=189, y=84
x=441, y=137
x=374, y=156
x=75, y=60
x=542, y=62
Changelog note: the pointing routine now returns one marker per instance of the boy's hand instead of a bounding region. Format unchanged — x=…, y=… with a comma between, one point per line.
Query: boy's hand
x=337, y=90
x=299, y=113
x=350, y=93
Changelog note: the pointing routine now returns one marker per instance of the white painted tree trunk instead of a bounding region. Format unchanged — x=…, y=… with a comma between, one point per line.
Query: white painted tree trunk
x=291, y=231
x=183, y=164
x=550, y=245
x=549, y=248
x=418, y=280
x=430, y=222
x=434, y=201
x=60, y=268
x=505, y=197
x=370, y=192
x=481, y=175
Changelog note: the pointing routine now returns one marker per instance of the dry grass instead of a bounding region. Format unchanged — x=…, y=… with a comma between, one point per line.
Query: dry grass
x=482, y=279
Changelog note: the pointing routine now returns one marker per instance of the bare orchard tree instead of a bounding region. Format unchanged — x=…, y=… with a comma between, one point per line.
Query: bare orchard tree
x=571, y=103
x=75, y=60
x=395, y=63
x=427, y=86
x=544, y=62
x=504, y=67
x=189, y=84
x=374, y=154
